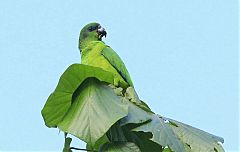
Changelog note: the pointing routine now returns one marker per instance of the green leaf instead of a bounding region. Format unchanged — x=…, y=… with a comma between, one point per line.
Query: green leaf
x=196, y=139
x=179, y=137
x=141, y=139
x=162, y=134
x=135, y=113
x=85, y=105
x=101, y=141
x=145, y=107
x=95, y=109
x=120, y=147
x=132, y=96
x=60, y=100
x=77, y=73
x=56, y=107
x=115, y=133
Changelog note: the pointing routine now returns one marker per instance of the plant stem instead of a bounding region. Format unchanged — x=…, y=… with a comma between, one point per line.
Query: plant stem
x=82, y=149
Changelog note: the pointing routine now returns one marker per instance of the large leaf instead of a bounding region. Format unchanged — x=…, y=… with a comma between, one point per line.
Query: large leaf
x=135, y=114
x=116, y=133
x=141, y=139
x=60, y=100
x=162, y=134
x=85, y=105
x=132, y=96
x=77, y=73
x=101, y=141
x=95, y=109
x=179, y=137
x=196, y=139
x=56, y=107
x=120, y=147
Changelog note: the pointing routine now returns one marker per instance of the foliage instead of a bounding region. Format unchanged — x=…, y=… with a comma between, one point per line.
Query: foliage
x=87, y=105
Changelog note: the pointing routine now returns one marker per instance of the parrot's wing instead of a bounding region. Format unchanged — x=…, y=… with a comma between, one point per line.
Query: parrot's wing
x=117, y=63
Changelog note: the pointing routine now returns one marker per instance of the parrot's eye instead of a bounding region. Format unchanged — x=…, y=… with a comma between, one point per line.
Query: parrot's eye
x=92, y=28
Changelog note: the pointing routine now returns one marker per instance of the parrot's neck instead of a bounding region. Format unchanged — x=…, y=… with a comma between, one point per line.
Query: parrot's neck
x=88, y=45
x=82, y=45
x=85, y=44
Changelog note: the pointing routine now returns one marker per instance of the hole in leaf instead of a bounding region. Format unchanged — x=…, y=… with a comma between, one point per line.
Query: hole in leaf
x=188, y=145
x=166, y=121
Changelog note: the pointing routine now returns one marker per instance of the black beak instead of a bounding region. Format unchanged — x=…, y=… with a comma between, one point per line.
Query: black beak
x=101, y=32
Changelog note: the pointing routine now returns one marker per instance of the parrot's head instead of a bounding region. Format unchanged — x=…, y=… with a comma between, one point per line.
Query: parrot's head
x=91, y=32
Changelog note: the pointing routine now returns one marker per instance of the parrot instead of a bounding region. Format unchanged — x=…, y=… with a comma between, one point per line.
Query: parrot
x=94, y=52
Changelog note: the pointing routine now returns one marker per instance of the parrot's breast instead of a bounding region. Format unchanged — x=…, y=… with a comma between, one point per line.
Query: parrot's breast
x=92, y=55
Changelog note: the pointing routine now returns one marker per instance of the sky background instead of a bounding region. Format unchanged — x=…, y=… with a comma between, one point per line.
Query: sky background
x=182, y=56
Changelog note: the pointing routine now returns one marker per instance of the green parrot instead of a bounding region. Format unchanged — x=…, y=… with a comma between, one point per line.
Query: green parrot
x=95, y=52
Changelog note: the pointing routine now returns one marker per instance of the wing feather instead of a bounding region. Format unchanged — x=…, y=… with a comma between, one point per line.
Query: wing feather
x=117, y=63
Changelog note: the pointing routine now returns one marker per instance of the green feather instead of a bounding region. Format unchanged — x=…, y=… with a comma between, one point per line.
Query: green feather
x=117, y=63
x=96, y=53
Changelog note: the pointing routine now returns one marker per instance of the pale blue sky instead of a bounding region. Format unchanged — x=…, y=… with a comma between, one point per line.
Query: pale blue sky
x=182, y=56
